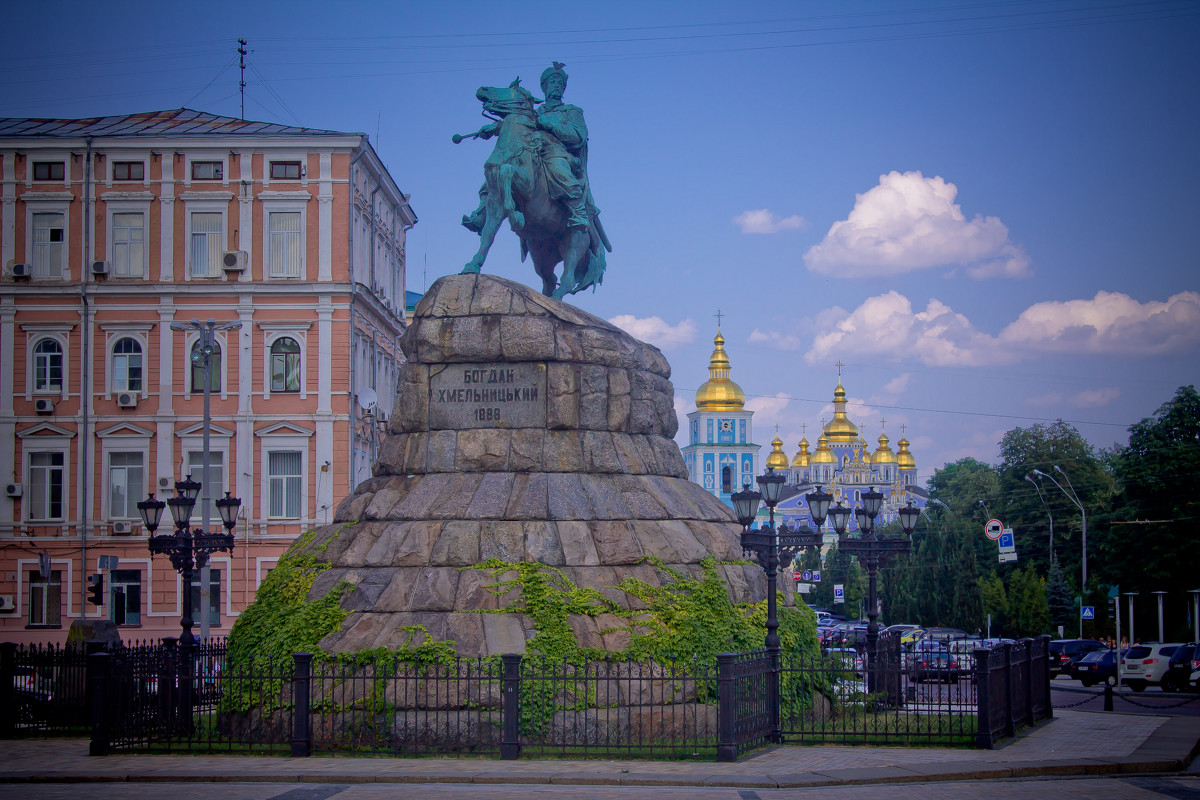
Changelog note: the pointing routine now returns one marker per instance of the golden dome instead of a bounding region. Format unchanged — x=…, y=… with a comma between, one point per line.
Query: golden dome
x=840, y=428
x=777, y=459
x=823, y=455
x=801, y=459
x=904, y=459
x=883, y=454
x=718, y=393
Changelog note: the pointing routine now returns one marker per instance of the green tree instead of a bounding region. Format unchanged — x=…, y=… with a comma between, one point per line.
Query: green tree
x=1060, y=600
x=1151, y=543
x=994, y=598
x=1028, y=613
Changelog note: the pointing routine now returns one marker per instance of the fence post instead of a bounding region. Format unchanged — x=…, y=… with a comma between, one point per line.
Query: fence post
x=1011, y=722
x=99, y=666
x=726, y=709
x=1045, y=669
x=510, y=739
x=301, y=691
x=8, y=671
x=983, y=700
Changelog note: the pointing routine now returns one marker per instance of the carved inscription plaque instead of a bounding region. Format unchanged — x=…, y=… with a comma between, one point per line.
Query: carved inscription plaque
x=498, y=395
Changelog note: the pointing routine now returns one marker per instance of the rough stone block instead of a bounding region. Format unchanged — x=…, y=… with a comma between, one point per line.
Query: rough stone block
x=527, y=338
x=440, y=451
x=426, y=491
x=382, y=504
x=567, y=498
x=491, y=498
x=384, y=549
x=434, y=589
x=627, y=454
x=529, y=497
x=398, y=593
x=410, y=411
x=562, y=451
x=567, y=346
x=606, y=501
x=356, y=554
x=599, y=452
x=482, y=450
x=352, y=507
x=466, y=631
x=579, y=548
x=618, y=412
x=502, y=540
x=542, y=544
x=458, y=492
x=504, y=633
x=526, y=452
x=416, y=548
x=615, y=543
x=489, y=297
x=473, y=592
x=593, y=411
x=458, y=544
x=452, y=298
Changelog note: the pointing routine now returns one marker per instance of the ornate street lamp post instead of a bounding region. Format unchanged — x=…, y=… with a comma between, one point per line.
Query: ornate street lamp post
x=871, y=551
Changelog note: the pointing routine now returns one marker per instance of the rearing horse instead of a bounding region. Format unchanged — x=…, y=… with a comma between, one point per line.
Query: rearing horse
x=515, y=189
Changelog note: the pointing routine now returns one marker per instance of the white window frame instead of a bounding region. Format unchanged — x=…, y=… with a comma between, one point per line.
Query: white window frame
x=35, y=337
x=46, y=581
x=298, y=332
x=111, y=606
x=205, y=203
x=280, y=155
x=219, y=155
x=283, y=437
x=50, y=203
x=190, y=341
x=192, y=441
x=113, y=158
x=124, y=438
x=121, y=330
x=281, y=482
x=284, y=202
x=40, y=446
x=128, y=203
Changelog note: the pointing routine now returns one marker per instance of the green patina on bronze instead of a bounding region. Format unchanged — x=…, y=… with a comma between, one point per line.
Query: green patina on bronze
x=536, y=178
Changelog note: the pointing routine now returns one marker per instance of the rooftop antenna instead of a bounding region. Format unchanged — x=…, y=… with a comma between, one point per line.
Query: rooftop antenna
x=242, y=81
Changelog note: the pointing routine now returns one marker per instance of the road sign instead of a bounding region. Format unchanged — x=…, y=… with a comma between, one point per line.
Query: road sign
x=109, y=562
x=808, y=575
x=1008, y=547
x=796, y=576
x=839, y=593
x=993, y=529
x=816, y=576
x=803, y=588
x=1087, y=612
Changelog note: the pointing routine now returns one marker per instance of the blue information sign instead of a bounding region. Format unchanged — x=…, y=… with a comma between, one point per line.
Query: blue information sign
x=1087, y=612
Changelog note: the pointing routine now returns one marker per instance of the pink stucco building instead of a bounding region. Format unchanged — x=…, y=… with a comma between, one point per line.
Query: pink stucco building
x=112, y=229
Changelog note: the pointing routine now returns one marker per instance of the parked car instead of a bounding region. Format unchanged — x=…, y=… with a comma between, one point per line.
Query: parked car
x=1145, y=664
x=1183, y=669
x=33, y=683
x=938, y=665
x=1097, y=666
x=912, y=636
x=846, y=658
x=1063, y=651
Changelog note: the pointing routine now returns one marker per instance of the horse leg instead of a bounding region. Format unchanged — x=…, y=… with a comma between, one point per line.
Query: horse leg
x=487, y=235
x=577, y=247
x=515, y=218
x=544, y=263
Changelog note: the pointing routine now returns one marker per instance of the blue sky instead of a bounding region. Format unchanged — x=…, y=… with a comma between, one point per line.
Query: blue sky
x=987, y=210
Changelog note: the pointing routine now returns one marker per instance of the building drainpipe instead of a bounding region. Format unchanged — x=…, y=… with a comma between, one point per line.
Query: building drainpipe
x=85, y=394
x=353, y=294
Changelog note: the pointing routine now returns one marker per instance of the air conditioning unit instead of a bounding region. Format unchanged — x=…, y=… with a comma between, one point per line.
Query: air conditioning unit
x=21, y=271
x=122, y=528
x=7, y=604
x=127, y=399
x=235, y=260
x=13, y=490
x=99, y=267
x=43, y=405
x=164, y=484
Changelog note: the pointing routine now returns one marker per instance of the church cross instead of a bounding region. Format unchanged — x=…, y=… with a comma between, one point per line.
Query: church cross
x=718, y=315
x=839, y=366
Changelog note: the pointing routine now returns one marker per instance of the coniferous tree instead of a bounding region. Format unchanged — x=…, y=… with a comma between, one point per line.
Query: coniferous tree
x=1060, y=599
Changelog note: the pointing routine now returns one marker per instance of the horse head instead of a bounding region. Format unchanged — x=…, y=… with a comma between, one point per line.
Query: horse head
x=504, y=100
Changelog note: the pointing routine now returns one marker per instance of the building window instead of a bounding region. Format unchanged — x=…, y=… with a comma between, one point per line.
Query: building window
x=285, y=170
x=285, y=365
x=214, y=367
x=48, y=170
x=726, y=480
x=45, y=600
x=47, y=366
x=285, y=244
x=48, y=245
x=208, y=237
x=206, y=171
x=284, y=473
x=128, y=244
x=126, y=482
x=213, y=482
x=46, y=481
x=125, y=596
x=214, y=596
x=128, y=171
x=127, y=365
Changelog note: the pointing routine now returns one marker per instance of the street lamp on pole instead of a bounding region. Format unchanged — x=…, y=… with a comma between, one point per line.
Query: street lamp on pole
x=1037, y=488
x=202, y=356
x=1074, y=498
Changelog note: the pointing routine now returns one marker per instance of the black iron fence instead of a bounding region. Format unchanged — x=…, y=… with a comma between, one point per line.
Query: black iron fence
x=168, y=698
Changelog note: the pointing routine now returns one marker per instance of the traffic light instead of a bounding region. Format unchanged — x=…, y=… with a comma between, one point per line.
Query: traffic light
x=96, y=591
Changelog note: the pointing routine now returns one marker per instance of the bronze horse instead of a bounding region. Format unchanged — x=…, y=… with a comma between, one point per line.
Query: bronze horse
x=515, y=189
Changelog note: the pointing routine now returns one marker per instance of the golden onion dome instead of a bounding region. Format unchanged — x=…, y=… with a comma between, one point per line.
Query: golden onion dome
x=904, y=459
x=823, y=455
x=777, y=459
x=801, y=458
x=718, y=393
x=883, y=454
x=840, y=428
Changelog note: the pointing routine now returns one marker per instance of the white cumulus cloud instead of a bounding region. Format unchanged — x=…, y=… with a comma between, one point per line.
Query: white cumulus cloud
x=909, y=222
x=776, y=340
x=762, y=220
x=655, y=331
x=1109, y=323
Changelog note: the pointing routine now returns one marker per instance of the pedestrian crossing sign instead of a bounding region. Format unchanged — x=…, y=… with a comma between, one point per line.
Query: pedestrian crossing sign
x=1087, y=612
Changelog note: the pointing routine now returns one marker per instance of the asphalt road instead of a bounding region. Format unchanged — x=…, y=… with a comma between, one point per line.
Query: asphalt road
x=1179, y=787
x=1068, y=693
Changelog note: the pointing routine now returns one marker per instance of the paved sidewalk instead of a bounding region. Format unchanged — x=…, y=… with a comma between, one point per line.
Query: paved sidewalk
x=1073, y=743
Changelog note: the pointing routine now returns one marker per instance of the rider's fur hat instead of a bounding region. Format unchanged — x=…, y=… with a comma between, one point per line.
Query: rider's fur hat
x=557, y=68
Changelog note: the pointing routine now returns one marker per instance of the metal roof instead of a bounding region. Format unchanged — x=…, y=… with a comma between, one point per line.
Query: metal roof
x=179, y=122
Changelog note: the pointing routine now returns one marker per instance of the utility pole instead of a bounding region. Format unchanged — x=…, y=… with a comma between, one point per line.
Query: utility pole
x=242, y=81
